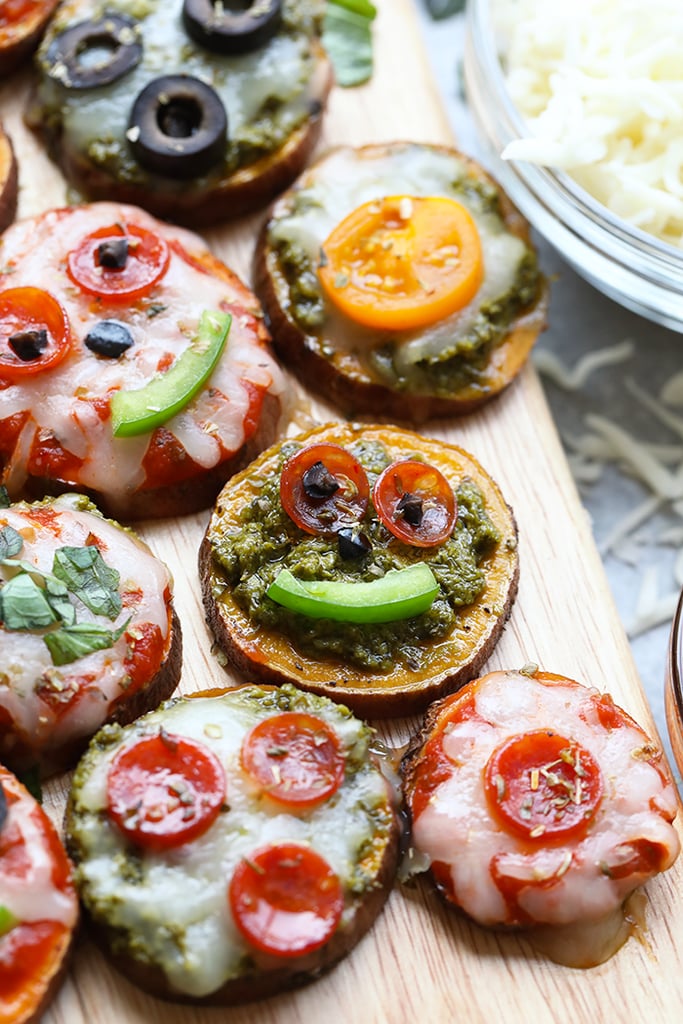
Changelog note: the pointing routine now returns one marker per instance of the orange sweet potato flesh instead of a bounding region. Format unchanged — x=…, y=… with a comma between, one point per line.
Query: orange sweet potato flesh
x=272, y=657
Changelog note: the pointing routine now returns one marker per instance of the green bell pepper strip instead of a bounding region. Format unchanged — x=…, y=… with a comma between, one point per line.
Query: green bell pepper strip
x=7, y=920
x=400, y=594
x=139, y=412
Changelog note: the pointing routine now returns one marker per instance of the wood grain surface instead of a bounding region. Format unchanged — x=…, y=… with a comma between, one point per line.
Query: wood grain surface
x=422, y=962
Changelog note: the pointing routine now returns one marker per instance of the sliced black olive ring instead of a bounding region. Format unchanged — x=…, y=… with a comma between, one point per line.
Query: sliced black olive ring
x=95, y=52
x=178, y=127
x=233, y=26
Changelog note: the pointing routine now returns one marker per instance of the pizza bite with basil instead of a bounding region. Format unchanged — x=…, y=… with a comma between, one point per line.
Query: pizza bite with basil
x=88, y=633
x=232, y=844
x=134, y=365
x=537, y=801
x=366, y=563
x=195, y=110
x=399, y=279
x=38, y=905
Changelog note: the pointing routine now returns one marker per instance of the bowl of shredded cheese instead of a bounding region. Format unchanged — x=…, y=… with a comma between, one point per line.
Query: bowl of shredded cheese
x=580, y=112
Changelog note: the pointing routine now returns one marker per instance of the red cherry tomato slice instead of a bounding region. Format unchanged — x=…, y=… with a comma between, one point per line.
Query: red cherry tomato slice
x=543, y=785
x=34, y=325
x=303, y=485
x=416, y=503
x=143, y=255
x=295, y=757
x=165, y=790
x=286, y=900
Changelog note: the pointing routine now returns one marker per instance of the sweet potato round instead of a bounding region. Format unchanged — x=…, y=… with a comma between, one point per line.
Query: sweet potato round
x=273, y=657
x=9, y=180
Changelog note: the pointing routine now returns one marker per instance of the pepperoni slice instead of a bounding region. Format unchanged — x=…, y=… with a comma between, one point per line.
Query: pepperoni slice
x=295, y=757
x=286, y=900
x=119, y=262
x=34, y=332
x=543, y=786
x=165, y=790
x=416, y=503
x=323, y=488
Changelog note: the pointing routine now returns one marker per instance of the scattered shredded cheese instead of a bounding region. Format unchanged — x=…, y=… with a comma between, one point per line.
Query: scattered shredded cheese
x=600, y=85
x=571, y=380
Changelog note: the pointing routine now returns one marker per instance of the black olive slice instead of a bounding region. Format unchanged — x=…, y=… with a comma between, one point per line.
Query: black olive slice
x=410, y=507
x=318, y=482
x=3, y=807
x=352, y=544
x=95, y=52
x=232, y=26
x=113, y=253
x=178, y=127
x=109, y=338
x=28, y=345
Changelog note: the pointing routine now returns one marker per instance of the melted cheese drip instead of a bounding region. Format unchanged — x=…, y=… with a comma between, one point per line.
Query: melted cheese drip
x=33, y=896
x=185, y=890
x=456, y=826
x=347, y=183
x=208, y=427
x=26, y=662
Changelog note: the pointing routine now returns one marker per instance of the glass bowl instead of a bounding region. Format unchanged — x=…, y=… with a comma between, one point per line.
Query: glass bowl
x=632, y=267
x=673, y=694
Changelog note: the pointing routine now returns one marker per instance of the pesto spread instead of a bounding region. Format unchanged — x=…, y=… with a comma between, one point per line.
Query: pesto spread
x=441, y=359
x=248, y=559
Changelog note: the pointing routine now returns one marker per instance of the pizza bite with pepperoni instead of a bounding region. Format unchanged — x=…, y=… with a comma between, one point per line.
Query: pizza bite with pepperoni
x=38, y=905
x=538, y=801
x=134, y=365
x=232, y=843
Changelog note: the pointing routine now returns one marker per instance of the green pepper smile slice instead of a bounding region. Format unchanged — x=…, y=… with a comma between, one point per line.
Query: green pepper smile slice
x=400, y=594
x=138, y=412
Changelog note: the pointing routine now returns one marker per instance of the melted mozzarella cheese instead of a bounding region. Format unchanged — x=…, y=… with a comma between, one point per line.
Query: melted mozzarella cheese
x=60, y=400
x=102, y=676
x=569, y=882
x=185, y=890
x=347, y=182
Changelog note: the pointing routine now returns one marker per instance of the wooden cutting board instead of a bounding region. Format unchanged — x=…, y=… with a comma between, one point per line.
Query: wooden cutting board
x=422, y=961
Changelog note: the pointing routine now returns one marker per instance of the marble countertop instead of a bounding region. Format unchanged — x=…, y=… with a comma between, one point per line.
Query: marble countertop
x=644, y=566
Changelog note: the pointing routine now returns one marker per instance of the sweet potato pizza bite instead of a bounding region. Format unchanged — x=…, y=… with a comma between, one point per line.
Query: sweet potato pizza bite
x=399, y=279
x=38, y=905
x=538, y=801
x=134, y=365
x=9, y=180
x=366, y=563
x=196, y=111
x=22, y=23
x=232, y=844
x=88, y=633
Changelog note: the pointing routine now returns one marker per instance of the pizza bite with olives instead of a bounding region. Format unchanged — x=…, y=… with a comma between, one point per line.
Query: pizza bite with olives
x=232, y=844
x=22, y=23
x=366, y=563
x=134, y=365
x=87, y=630
x=399, y=279
x=38, y=905
x=536, y=800
x=194, y=110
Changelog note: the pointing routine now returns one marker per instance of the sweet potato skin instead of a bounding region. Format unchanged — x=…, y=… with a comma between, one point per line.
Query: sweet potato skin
x=274, y=658
x=340, y=376
x=9, y=180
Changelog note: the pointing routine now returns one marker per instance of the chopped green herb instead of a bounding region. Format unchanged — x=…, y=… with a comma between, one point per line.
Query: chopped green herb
x=11, y=542
x=73, y=642
x=89, y=578
x=347, y=37
x=23, y=605
x=4, y=497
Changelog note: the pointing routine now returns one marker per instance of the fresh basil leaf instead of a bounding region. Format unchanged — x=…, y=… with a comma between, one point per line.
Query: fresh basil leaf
x=58, y=599
x=347, y=37
x=362, y=7
x=445, y=8
x=24, y=606
x=11, y=542
x=89, y=578
x=4, y=497
x=73, y=642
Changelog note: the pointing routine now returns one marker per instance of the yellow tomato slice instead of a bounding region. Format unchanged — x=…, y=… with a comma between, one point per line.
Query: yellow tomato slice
x=403, y=262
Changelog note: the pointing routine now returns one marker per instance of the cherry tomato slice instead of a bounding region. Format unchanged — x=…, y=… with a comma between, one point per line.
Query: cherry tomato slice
x=120, y=262
x=165, y=790
x=295, y=757
x=416, y=503
x=403, y=262
x=543, y=785
x=35, y=334
x=324, y=488
x=286, y=900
